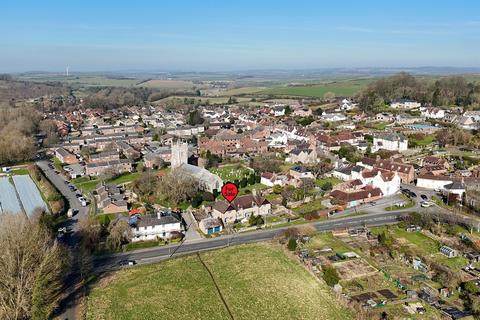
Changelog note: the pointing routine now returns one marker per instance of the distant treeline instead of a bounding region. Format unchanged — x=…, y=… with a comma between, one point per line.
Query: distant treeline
x=446, y=91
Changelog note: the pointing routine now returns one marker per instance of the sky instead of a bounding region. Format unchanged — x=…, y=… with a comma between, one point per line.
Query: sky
x=205, y=35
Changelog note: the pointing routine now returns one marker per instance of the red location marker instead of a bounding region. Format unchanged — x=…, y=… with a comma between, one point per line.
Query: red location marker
x=229, y=191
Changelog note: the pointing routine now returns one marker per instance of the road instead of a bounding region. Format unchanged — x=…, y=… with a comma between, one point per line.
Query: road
x=59, y=182
x=151, y=255
x=67, y=306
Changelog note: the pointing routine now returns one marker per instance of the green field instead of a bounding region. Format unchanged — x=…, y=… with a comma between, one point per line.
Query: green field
x=257, y=281
x=341, y=88
x=167, y=84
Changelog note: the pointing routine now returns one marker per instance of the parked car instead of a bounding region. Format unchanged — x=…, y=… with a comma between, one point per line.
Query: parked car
x=127, y=263
x=413, y=194
x=424, y=197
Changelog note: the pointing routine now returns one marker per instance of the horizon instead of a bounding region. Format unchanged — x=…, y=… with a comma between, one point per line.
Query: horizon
x=231, y=37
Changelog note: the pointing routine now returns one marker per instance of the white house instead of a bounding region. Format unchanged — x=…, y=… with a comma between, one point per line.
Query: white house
x=387, y=181
x=405, y=104
x=333, y=117
x=390, y=141
x=430, y=181
x=270, y=179
x=278, y=110
x=278, y=139
x=155, y=227
x=347, y=105
x=433, y=113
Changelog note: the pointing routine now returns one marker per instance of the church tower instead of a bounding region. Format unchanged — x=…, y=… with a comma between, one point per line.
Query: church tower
x=179, y=153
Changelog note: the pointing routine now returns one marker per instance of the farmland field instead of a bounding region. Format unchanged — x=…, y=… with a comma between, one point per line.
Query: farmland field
x=29, y=193
x=340, y=88
x=8, y=197
x=248, y=277
x=167, y=84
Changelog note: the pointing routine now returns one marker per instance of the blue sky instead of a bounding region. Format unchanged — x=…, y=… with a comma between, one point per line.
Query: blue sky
x=220, y=35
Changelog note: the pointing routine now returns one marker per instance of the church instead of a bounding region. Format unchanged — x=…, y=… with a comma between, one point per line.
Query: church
x=179, y=161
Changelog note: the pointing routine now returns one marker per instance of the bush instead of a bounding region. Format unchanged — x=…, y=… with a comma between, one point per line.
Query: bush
x=277, y=189
x=196, y=201
x=330, y=275
x=243, y=182
x=251, y=179
x=292, y=244
x=327, y=186
x=258, y=179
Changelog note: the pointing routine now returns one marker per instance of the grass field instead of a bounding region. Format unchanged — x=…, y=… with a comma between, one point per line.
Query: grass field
x=167, y=84
x=257, y=281
x=340, y=88
x=231, y=172
x=212, y=100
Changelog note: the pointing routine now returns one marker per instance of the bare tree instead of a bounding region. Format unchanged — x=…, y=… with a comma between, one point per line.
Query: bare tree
x=32, y=269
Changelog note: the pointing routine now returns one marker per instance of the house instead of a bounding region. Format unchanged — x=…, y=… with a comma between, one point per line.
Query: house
x=387, y=181
x=162, y=225
x=75, y=170
x=65, y=157
x=210, y=225
x=449, y=252
x=404, y=170
x=333, y=117
x=278, y=110
x=270, y=179
x=300, y=172
x=385, y=116
x=433, y=113
x=304, y=156
x=405, y=104
x=114, y=166
x=430, y=181
x=431, y=161
x=356, y=197
x=391, y=141
x=347, y=105
x=110, y=155
x=241, y=208
x=110, y=199
x=302, y=112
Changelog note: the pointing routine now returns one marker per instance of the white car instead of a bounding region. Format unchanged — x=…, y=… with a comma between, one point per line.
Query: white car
x=426, y=204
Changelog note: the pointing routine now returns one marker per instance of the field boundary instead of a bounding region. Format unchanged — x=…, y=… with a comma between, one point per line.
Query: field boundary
x=216, y=286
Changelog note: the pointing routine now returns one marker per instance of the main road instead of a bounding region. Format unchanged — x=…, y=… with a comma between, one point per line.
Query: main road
x=151, y=255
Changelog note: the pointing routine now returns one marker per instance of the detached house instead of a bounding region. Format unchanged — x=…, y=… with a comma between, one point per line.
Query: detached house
x=162, y=225
x=110, y=199
x=433, y=113
x=241, y=208
x=391, y=141
x=352, y=198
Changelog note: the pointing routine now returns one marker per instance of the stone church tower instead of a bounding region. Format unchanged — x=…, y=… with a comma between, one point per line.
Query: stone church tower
x=179, y=153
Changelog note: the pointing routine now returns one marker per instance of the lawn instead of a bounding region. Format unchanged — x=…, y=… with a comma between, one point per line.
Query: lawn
x=340, y=88
x=248, y=277
x=231, y=172
x=324, y=240
x=416, y=140
x=84, y=183
x=308, y=207
x=321, y=182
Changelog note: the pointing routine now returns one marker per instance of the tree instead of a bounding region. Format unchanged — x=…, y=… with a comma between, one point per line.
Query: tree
x=32, y=269
x=277, y=189
x=49, y=282
x=471, y=287
x=292, y=244
x=327, y=186
x=251, y=179
x=329, y=95
x=330, y=275
x=195, y=117
x=177, y=187
x=119, y=233
x=288, y=110
x=266, y=163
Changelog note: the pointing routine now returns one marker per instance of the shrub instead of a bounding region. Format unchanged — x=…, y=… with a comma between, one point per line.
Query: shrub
x=243, y=182
x=251, y=179
x=292, y=244
x=330, y=275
